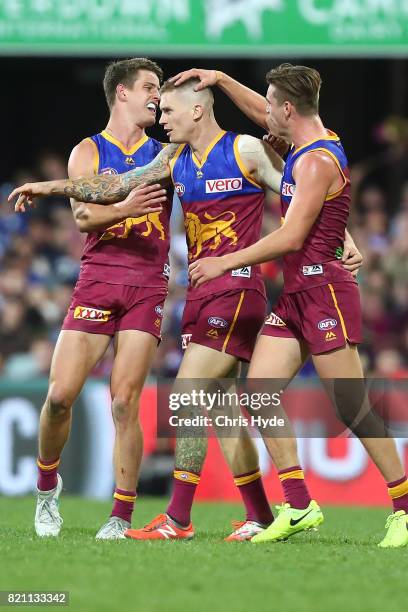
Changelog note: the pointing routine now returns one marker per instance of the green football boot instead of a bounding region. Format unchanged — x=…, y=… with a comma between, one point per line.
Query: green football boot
x=290, y=521
x=397, y=531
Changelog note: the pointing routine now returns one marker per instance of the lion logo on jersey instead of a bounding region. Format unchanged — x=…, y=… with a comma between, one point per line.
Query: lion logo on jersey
x=123, y=229
x=198, y=233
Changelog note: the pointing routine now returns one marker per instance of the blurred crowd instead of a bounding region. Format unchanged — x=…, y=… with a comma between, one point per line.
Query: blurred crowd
x=40, y=255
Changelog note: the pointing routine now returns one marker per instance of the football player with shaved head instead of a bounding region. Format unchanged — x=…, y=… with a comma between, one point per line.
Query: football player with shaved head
x=319, y=311
x=220, y=178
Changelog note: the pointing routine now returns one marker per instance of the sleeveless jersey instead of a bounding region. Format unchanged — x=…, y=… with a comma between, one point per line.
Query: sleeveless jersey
x=134, y=251
x=317, y=263
x=222, y=208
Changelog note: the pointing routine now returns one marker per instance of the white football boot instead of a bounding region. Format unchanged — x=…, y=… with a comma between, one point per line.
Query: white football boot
x=244, y=530
x=114, y=529
x=48, y=521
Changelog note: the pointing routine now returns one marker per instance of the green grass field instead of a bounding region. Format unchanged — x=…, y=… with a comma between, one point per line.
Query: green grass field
x=339, y=568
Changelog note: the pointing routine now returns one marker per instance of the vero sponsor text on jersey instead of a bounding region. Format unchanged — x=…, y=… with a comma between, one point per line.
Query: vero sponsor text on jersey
x=223, y=184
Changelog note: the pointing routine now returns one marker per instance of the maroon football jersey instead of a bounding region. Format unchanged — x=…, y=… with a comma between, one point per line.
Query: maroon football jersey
x=318, y=262
x=134, y=251
x=222, y=209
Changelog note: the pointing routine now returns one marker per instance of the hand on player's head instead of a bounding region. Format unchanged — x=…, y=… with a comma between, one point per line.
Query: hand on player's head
x=207, y=78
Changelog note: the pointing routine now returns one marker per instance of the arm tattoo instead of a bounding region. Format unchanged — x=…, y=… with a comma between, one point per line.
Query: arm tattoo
x=114, y=188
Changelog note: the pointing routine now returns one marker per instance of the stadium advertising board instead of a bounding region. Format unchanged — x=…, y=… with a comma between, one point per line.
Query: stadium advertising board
x=205, y=27
x=338, y=470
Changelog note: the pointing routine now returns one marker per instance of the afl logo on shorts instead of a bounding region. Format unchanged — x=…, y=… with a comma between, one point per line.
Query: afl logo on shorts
x=108, y=171
x=179, y=189
x=217, y=322
x=327, y=324
x=159, y=311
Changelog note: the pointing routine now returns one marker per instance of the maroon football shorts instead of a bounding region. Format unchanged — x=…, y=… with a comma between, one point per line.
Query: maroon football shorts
x=324, y=317
x=228, y=322
x=101, y=308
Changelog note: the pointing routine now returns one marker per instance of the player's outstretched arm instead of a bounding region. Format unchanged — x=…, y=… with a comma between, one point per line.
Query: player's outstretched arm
x=101, y=188
x=251, y=103
x=314, y=177
x=94, y=217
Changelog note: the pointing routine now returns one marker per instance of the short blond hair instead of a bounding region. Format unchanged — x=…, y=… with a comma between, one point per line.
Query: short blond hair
x=169, y=86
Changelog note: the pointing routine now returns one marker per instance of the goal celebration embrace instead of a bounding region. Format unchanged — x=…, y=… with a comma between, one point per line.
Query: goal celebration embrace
x=121, y=185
